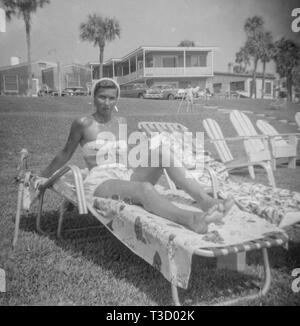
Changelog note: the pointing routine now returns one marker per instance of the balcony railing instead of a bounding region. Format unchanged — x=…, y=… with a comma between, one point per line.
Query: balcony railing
x=178, y=71
x=166, y=72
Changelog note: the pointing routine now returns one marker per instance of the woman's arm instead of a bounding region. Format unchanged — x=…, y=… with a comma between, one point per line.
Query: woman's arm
x=66, y=153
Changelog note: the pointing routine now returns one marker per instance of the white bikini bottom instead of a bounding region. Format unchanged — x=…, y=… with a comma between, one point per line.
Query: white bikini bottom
x=101, y=173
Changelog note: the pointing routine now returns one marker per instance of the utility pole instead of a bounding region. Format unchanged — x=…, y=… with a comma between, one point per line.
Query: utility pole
x=59, y=84
x=59, y=78
x=2, y=20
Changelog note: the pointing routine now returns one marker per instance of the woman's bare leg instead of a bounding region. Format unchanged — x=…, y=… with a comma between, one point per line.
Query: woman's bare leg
x=145, y=194
x=179, y=176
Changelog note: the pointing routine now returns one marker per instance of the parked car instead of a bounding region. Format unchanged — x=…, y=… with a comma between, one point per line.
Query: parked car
x=167, y=92
x=80, y=91
x=73, y=91
x=133, y=90
x=45, y=90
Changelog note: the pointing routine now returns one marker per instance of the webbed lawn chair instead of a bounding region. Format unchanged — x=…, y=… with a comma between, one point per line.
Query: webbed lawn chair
x=256, y=146
x=215, y=134
x=164, y=244
x=281, y=148
x=297, y=119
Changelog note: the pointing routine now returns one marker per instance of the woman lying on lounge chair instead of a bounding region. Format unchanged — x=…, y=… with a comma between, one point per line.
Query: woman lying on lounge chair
x=111, y=179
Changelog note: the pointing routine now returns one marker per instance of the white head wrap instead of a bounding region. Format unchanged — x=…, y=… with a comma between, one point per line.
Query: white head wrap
x=96, y=82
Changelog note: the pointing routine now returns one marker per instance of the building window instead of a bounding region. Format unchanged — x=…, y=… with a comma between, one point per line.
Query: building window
x=199, y=60
x=11, y=84
x=237, y=86
x=268, y=88
x=169, y=61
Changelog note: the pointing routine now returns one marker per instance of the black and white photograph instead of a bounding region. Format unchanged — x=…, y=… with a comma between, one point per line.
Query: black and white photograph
x=149, y=155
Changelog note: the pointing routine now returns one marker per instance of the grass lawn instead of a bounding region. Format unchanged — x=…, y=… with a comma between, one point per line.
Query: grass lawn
x=91, y=267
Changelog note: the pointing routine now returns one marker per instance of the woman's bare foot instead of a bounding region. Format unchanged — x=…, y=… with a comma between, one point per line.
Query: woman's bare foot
x=198, y=223
x=215, y=214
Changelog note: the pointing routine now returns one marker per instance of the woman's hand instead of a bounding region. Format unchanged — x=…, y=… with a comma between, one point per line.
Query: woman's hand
x=38, y=181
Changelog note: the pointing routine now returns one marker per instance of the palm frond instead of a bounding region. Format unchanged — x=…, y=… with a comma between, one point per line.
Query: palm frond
x=98, y=29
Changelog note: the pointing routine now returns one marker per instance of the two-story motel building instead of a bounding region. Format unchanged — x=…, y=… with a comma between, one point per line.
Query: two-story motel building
x=179, y=66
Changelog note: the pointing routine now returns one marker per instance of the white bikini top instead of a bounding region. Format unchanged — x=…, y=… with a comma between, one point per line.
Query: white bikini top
x=106, y=152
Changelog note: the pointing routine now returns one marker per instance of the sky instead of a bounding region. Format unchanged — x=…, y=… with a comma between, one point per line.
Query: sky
x=55, y=27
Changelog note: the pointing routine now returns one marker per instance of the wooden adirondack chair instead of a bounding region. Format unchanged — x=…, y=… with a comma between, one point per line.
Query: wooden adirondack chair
x=256, y=146
x=297, y=119
x=281, y=148
x=215, y=134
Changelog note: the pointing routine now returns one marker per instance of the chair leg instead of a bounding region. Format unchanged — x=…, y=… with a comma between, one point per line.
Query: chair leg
x=273, y=162
x=62, y=210
x=270, y=174
x=179, y=107
x=18, y=214
x=265, y=288
x=175, y=295
x=251, y=172
x=40, y=209
x=263, y=291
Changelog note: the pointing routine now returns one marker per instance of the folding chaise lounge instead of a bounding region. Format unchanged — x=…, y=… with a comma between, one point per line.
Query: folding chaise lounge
x=165, y=245
x=282, y=145
x=216, y=136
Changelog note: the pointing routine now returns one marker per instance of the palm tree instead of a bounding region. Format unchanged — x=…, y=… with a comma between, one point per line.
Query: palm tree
x=24, y=9
x=99, y=30
x=296, y=78
x=187, y=43
x=254, y=28
x=243, y=59
x=266, y=54
x=287, y=59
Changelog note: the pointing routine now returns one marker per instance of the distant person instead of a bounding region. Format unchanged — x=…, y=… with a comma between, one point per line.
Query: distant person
x=208, y=93
x=190, y=98
x=196, y=91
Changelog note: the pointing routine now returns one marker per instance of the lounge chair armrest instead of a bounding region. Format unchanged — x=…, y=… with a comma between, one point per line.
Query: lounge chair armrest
x=291, y=138
x=82, y=206
x=238, y=138
x=285, y=135
x=23, y=165
x=214, y=181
